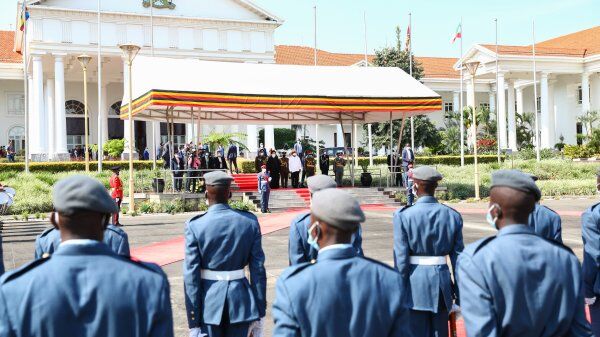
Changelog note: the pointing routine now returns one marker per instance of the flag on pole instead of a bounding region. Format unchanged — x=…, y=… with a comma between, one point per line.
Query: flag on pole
x=407, y=47
x=458, y=34
x=23, y=17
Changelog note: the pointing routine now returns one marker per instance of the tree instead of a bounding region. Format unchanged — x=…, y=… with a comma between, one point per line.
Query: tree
x=282, y=136
x=450, y=135
x=398, y=57
x=426, y=134
x=525, y=127
x=588, y=120
x=224, y=138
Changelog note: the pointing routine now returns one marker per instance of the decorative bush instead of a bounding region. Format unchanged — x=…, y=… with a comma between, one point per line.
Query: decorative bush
x=76, y=166
x=114, y=147
x=577, y=151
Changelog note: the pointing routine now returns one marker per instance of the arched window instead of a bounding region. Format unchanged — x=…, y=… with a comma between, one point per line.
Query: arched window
x=74, y=107
x=16, y=134
x=115, y=109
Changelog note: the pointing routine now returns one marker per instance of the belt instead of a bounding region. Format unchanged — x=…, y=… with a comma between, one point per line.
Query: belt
x=215, y=275
x=428, y=260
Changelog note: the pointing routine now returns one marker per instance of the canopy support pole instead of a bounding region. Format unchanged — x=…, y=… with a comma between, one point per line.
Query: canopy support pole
x=344, y=143
x=318, y=160
x=401, y=131
x=192, y=122
x=353, y=145
x=392, y=160
x=171, y=144
x=199, y=128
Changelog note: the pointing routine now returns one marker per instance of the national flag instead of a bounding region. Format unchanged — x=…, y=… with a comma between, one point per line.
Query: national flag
x=458, y=34
x=23, y=17
x=408, y=38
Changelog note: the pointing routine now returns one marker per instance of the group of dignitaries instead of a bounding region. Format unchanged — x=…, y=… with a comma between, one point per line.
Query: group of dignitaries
x=521, y=282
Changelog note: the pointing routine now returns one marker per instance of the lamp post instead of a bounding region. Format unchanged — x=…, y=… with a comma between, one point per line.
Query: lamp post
x=129, y=53
x=472, y=68
x=84, y=60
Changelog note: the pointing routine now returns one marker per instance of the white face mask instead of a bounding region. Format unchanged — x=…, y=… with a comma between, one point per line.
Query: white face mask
x=264, y=170
x=294, y=154
x=273, y=155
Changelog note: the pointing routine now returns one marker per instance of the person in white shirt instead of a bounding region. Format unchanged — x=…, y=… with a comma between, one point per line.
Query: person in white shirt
x=295, y=168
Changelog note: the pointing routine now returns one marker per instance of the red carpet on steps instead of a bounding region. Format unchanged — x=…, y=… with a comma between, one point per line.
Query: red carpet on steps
x=246, y=181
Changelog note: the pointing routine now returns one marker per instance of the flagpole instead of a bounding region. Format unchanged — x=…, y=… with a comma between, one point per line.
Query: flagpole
x=318, y=156
x=25, y=88
x=461, y=107
x=100, y=107
x=412, y=122
x=154, y=122
x=535, y=105
x=369, y=126
x=497, y=94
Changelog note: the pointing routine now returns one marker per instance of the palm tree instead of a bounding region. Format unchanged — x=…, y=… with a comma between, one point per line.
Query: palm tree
x=217, y=138
x=525, y=129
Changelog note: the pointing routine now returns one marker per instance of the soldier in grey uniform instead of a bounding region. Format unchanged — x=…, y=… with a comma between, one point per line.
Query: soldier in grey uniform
x=219, y=244
x=424, y=235
x=544, y=221
x=590, y=229
x=84, y=289
x=517, y=283
x=341, y=293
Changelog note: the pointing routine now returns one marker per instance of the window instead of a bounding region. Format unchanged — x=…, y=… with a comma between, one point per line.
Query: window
x=74, y=140
x=115, y=110
x=448, y=106
x=579, y=129
x=484, y=106
x=16, y=104
x=178, y=134
x=16, y=134
x=347, y=139
x=580, y=95
x=539, y=104
x=73, y=107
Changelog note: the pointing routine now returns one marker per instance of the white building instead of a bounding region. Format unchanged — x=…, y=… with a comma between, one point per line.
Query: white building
x=239, y=31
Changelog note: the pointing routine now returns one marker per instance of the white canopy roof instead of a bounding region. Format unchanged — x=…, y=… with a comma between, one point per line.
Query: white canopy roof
x=227, y=93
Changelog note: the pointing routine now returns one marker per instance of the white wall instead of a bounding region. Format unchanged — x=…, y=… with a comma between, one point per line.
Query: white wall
x=7, y=121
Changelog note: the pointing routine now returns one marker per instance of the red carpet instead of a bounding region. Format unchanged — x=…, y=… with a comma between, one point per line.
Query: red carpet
x=246, y=181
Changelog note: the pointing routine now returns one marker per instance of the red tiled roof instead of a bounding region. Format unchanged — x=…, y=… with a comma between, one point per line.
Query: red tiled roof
x=434, y=67
x=539, y=50
x=7, y=55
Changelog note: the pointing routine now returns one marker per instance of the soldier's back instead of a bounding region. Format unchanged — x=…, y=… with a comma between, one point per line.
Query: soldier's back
x=85, y=290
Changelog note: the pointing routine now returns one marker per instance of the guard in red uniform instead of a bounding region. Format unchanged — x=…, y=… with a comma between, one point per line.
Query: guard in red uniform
x=116, y=192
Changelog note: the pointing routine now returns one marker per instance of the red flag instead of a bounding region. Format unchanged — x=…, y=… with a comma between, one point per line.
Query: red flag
x=458, y=34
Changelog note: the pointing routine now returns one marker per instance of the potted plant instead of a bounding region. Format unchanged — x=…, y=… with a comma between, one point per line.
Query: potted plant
x=365, y=177
x=158, y=183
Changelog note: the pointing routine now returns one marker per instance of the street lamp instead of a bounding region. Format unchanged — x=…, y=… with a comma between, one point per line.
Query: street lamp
x=129, y=53
x=84, y=60
x=472, y=69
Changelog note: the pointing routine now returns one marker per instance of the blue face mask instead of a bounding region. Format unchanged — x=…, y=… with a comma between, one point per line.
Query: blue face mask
x=313, y=241
x=491, y=220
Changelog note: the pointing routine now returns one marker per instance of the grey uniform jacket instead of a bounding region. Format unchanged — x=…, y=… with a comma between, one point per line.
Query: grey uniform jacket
x=546, y=223
x=114, y=237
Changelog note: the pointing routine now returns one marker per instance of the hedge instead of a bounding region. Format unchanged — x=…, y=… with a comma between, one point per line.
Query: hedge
x=245, y=165
x=56, y=167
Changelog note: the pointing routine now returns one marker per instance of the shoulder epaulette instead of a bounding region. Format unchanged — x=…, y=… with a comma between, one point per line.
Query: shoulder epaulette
x=378, y=262
x=146, y=265
x=116, y=230
x=476, y=246
x=457, y=212
x=301, y=217
x=559, y=244
x=295, y=269
x=197, y=216
x=548, y=208
x=594, y=206
x=11, y=275
x=47, y=231
x=404, y=208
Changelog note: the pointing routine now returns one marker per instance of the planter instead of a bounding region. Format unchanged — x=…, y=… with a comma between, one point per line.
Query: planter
x=158, y=185
x=366, y=179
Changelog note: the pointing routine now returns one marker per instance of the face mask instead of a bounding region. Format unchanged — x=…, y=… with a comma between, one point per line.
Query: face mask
x=294, y=155
x=264, y=171
x=218, y=155
x=415, y=187
x=490, y=220
x=313, y=241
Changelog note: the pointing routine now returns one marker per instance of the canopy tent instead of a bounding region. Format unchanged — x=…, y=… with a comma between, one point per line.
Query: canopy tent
x=227, y=93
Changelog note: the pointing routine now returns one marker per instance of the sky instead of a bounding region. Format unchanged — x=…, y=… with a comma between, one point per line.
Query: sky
x=340, y=24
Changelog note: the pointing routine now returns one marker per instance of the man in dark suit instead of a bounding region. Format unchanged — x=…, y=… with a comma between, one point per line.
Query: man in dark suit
x=408, y=157
x=232, y=154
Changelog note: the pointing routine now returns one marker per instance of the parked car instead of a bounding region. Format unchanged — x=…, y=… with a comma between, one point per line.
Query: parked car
x=332, y=151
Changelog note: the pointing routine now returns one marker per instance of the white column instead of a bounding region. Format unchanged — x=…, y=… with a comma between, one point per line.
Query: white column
x=340, y=136
x=585, y=92
x=51, y=118
x=269, y=137
x=189, y=127
x=551, y=117
x=492, y=100
x=103, y=116
x=252, y=140
x=40, y=148
x=470, y=93
x=512, y=118
x=545, y=125
x=520, y=106
x=501, y=111
x=60, y=119
x=32, y=136
x=456, y=101
x=371, y=145
x=128, y=137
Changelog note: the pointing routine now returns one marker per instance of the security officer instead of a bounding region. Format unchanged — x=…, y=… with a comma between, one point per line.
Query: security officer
x=299, y=249
x=342, y=293
x=517, y=283
x=545, y=222
x=309, y=164
x=84, y=289
x=424, y=234
x=219, y=300
x=338, y=168
x=590, y=228
x=114, y=237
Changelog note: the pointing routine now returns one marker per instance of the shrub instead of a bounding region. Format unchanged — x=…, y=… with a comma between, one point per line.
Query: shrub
x=114, y=147
x=577, y=151
x=56, y=167
x=242, y=205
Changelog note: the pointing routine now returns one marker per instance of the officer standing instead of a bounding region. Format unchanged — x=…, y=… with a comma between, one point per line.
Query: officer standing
x=324, y=163
x=218, y=245
x=338, y=168
x=590, y=228
x=116, y=192
x=114, y=237
x=309, y=164
x=284, y=170
x=299, y=249
x=517, y=283
x=545, y=222
x=342, y=293
x=424, y=234
x=84, y=289
x=264, y=188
